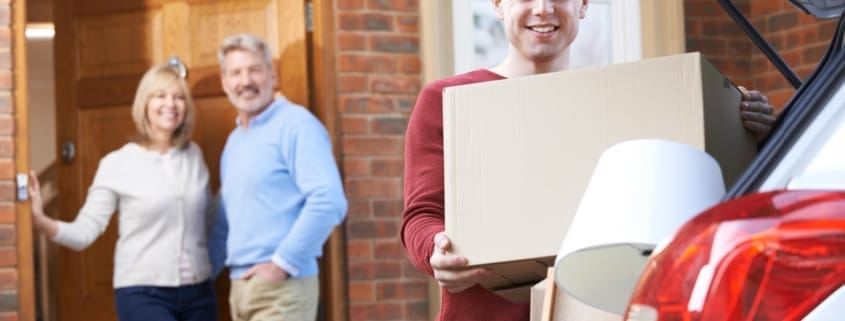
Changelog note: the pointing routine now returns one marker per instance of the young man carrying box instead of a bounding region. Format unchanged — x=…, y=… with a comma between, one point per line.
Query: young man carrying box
x=540, y=33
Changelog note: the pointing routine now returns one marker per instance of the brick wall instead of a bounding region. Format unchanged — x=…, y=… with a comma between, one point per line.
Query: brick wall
x=8, y=234
x=378, y=64
x=799, y=38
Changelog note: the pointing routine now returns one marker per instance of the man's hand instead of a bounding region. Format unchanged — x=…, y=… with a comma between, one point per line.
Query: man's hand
x=267, y=271
x=757, y=114
x=449, y=269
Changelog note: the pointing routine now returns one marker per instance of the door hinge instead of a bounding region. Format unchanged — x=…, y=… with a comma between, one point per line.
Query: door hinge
x=309, y=16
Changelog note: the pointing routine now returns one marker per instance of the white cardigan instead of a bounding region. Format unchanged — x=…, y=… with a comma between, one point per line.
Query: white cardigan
x=159, y=215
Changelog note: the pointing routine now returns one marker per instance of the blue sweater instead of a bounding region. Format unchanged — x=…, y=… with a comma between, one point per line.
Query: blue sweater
x=281, y=193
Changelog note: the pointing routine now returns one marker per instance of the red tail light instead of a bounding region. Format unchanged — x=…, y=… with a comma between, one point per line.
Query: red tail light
x=769, y=256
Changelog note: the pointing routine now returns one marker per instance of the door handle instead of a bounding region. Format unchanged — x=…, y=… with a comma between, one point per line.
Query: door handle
x=68, y=151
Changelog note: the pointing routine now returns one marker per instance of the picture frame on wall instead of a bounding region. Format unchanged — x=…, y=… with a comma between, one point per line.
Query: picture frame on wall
x=610, y=33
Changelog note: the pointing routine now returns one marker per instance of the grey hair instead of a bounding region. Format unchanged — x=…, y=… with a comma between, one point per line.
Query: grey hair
x=244, y=41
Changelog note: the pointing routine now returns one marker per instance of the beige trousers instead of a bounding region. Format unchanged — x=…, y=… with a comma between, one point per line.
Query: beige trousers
x=256, y=299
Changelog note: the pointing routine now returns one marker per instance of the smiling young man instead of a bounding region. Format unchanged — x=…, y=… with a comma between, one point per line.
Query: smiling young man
x=281, y=191
x=539, y=33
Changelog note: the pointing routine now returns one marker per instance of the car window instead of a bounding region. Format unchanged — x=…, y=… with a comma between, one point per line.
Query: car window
x=817, y=159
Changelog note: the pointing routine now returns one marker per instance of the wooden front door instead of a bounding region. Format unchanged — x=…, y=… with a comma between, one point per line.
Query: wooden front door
x=102, y=47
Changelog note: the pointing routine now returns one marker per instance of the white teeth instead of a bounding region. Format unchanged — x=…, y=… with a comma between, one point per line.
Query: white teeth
x=543, y=29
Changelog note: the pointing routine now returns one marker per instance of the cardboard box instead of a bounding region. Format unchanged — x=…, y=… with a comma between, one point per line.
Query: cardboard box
x=520, y=152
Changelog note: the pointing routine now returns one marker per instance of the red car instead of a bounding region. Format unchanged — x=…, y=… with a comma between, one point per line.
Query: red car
x=774, y=248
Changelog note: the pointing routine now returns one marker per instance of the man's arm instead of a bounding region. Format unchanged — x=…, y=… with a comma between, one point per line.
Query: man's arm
x=316, y=175
x=218, y=232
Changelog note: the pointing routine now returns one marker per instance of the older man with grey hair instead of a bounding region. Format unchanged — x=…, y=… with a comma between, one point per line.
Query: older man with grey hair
x=281, y=192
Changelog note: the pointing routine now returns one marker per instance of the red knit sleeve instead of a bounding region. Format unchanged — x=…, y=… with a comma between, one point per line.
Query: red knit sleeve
x=424, y=187
x=423, y=216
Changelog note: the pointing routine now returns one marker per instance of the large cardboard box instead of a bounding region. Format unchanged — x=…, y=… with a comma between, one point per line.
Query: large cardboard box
x=520, y=152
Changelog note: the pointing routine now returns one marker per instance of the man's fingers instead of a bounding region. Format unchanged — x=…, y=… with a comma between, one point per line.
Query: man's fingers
x=442, y=241
x=756, y=128
x=761, y=118
x=447, y=261
x=459, y=280
x=758, y=107
x=754, y=95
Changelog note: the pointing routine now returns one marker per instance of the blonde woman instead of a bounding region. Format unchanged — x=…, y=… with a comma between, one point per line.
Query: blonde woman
x=158, y=183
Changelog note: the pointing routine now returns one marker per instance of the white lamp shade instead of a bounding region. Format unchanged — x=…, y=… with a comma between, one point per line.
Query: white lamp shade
x=641, y=192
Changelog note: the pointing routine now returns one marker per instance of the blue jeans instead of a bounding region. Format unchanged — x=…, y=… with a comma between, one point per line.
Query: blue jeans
x=184, y=303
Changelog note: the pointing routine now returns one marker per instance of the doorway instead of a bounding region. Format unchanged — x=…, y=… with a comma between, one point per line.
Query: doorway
x=81, y=82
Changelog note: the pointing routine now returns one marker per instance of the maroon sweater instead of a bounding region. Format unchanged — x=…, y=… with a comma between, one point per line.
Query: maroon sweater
x=423, y=216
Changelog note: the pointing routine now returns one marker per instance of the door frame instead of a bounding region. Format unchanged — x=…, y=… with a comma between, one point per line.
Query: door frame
x=23, y=222
x=323, y=98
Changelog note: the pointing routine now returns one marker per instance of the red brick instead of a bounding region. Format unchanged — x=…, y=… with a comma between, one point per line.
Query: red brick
x=347, y=41
x=7, y=191
x=361, y=292
x=352, y=124
x=7, y=169
x=392, y=167
x=812, y=55
x=9, y=316
x=371, y=229
x=375, y=312
x=359, y=208
x=8, y=256
x=366, y=63
x=390, y=125
x=407, y=24
x=411, y=272
x=373, y=187
x=388, y=208
x=9, y=303
x=5, y=37
x=5, y=79
x=5, y=16
x=388, y=270
x=393, y=5
x=7, y=123
x=409, y=64
x=351, y=83
x=350, y=4
x=766, y=7
x=7, y=147
x=350, y=21
x=7, y=235
x=361, y=271
x=356, y=166
x=378, y=22
x=391, y=249
x=5, y=59
x=395, y=43
x=7, y=213
x=356, y=104
x=401, y=290
x=395, y=85
x=8, y=279
x=357, y=250
x=5, y=103
x=373, y=145
x=417, y=311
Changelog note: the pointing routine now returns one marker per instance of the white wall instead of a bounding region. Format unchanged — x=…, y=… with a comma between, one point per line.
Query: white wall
x=42, y=114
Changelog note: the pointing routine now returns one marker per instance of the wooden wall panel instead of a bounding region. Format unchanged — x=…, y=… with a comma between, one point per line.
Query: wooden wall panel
x=103, y=50
x=211, y=22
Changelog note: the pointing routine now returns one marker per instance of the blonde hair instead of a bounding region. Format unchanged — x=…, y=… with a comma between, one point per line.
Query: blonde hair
x=155, y=79
x=244, y=41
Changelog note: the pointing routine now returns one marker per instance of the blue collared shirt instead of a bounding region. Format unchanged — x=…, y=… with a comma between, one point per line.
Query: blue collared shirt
x=281, y=192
